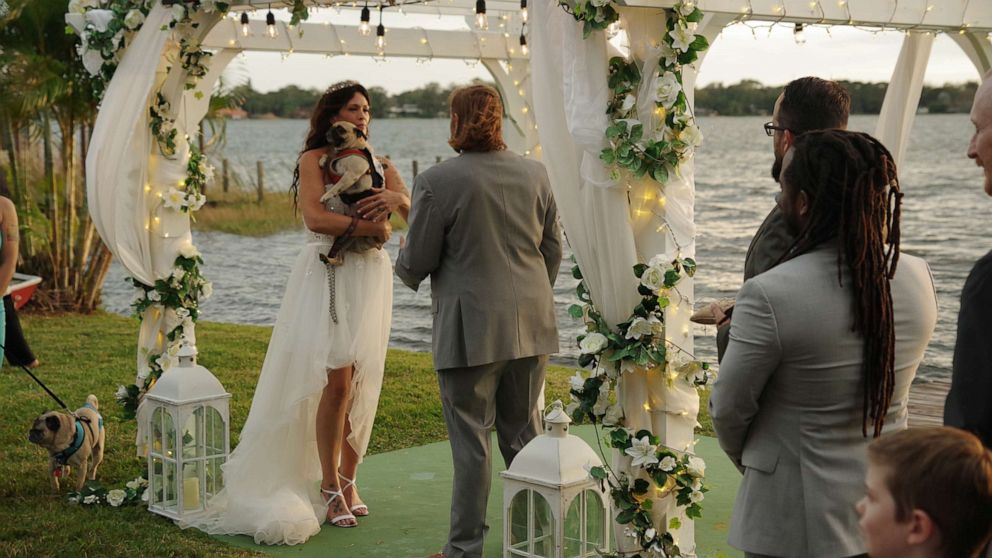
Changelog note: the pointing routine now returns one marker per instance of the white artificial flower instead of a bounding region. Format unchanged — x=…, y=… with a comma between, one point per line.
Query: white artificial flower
x=144, y=496
x=178, y=12
x=134, y=19
x=669, y=55
x=139, y=295
x=696, y=497
x=91, y=499
x=154, y=296
x=593, y=343
x=667, y=89
x=76, y=7
x=189, y=251
x=132, y=485
x=571, y=407
x=188, y=326
x=642, y=451
x=92, y=60
x=115, y=497
x=653, y=278
x=682, y=37
x=177, y=274
x=641, y=327
x=628, y=103
x=667, y=464
x=166, y=127
x=691, y=135
x=613, y=416
x=686, y=8
x=73, y=499
x=100, y=19
x=662, y=259
x=121, y=392
x=696, y=466
x=576, y=382
x=207, y=290
x=174, y=198
x=210, y=6
x=208, y=172
x=697, y=484
x=182, y=313
x=649, y=534
x=196, y=201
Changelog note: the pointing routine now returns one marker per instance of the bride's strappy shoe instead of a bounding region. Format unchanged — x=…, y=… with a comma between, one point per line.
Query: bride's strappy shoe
x=361, y=510
x=337, y=520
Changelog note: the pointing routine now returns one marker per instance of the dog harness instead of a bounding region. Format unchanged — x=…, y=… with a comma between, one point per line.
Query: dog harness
x=377, y=179
x=63, y=456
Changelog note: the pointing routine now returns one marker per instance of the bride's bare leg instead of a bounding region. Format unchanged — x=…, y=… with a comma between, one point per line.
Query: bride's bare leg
x=349, y=468
x=331, y=435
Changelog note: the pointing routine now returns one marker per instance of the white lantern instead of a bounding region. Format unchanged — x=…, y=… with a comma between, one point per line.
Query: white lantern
x=189, y=437
x=552, y=507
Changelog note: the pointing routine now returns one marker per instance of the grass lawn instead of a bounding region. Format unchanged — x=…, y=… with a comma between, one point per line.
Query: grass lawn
x=83, y=354
x=239, y=213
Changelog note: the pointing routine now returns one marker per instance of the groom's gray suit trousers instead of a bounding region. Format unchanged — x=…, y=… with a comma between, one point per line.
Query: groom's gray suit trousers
x=475, y=400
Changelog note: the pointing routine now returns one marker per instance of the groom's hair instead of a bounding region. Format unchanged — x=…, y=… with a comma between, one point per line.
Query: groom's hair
x=946, y=473
x=480, y=119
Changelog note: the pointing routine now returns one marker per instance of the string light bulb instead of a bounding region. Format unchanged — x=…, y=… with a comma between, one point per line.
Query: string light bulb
x=799, y=34
x=364, y=28
x=244, y=24
x=380, y=32
x=523, y=44
x=523, y=11
x=270, y=24
x=481, y=21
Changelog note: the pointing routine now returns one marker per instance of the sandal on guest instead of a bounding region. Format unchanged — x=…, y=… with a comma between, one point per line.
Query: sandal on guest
x=361, y=510
x=337, y=521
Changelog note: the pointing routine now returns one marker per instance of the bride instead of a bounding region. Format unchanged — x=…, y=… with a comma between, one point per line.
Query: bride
x=316, y=397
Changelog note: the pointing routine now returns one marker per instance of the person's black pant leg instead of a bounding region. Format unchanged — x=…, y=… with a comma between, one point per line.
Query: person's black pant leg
x=16, y=347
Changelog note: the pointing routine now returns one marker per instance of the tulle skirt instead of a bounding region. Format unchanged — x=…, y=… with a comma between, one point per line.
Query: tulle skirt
x=272, y=478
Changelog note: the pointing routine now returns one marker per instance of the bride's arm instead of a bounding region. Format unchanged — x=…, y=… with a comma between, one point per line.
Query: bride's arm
x=394, y=197
x=316, y=217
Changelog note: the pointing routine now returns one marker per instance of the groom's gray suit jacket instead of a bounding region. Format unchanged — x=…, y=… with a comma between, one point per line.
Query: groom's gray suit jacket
x=484, y=227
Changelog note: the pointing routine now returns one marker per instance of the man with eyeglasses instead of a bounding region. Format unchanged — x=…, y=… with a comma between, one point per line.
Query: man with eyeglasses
x=806, y=104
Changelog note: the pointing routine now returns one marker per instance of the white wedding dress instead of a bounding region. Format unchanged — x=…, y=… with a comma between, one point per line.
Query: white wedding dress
x=272, y=478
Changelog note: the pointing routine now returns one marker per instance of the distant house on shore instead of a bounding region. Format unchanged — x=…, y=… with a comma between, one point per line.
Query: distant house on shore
x=235, y=113
x=408, y=109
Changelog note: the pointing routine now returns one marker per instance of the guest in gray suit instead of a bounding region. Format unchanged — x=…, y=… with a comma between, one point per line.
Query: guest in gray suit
x=823, y=348
x=969, y=402
x=484, y=227
x=806, y=104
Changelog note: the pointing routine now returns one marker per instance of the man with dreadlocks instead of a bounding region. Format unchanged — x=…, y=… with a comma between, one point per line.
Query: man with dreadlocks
x=823, y=348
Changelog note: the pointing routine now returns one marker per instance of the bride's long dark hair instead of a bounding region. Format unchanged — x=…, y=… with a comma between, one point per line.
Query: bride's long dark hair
x=330, y=103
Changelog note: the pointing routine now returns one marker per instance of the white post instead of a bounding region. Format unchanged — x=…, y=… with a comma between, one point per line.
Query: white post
x=978, y=48
x=513, y=82
x=903, y=94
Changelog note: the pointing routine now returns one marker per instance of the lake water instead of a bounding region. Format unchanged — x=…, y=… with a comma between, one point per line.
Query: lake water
x=943, y=208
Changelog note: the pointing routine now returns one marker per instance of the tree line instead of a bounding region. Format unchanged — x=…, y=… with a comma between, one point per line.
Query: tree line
x=746, y=98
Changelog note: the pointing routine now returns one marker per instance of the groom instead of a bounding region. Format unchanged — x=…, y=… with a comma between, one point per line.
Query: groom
x=484, y=227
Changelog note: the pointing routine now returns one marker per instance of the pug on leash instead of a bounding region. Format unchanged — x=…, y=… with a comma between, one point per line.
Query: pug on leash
x=73, y=440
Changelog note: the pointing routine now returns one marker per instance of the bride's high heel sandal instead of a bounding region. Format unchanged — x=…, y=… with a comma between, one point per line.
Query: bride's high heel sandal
x=361, y=510
x=337, y=521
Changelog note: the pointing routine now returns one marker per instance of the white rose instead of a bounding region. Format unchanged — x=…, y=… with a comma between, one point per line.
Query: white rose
x=189, y=251
x=653, y=278
x=166, y=127
x=182, y=313
x=667, y=464
x=115, y=497
x=178, y=273
x=613, y=416
x=696, y=497
x=208, y=172
x=691, y=135
x=207, y=290
x=144, y=496
x=649, y=534
x=76, y=7
x=593, y=343
x=667, y=89
x=132, y=485
x=91, y=499
x=577, y=381
x=603, y=400
x=669, y=55
x=682, y=37
x=696, y=466
x=641, y=327
x=134, y=19
x=628, y=103
x=121, y=392
x=154, y=296
x=196, y=201
x=686, y=8
x=697, y=484
x=174, y=198
x=178, y=12
x=662, y=259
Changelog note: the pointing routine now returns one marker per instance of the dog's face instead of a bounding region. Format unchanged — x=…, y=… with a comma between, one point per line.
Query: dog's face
x=345, y=135
x=52, y=431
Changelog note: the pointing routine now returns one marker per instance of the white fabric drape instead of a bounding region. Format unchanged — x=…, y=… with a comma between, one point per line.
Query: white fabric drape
x=902, y=96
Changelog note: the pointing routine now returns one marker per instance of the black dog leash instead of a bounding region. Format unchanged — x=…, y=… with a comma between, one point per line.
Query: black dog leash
x=42, y=384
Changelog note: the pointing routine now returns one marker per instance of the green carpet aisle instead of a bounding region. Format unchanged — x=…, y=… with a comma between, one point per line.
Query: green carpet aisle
x=409, y=491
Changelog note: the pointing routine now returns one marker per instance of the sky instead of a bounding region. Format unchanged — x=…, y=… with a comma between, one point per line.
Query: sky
x=766, y=54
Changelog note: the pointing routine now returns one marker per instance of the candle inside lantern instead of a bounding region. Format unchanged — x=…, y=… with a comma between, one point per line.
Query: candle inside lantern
x=191, y=493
